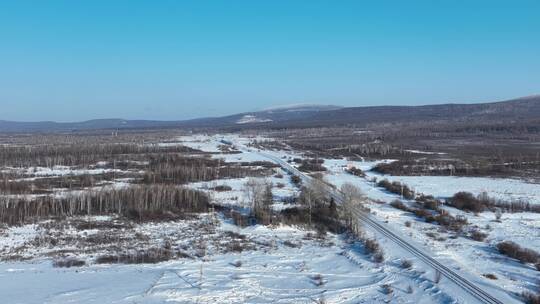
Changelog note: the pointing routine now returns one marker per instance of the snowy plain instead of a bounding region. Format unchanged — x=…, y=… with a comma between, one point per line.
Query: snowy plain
x=477, y=259
x=297, y=268
x=333, y=270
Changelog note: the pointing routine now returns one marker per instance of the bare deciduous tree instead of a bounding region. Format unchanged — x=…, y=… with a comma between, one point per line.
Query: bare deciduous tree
x=254, y=192
x=351, y=194
x=313, y=195
x=259, y=198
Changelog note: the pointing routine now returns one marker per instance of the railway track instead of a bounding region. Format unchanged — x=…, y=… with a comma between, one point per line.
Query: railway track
x=367, y=219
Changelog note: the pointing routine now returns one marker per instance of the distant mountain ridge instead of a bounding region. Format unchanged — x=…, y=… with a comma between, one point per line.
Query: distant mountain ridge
x=522, y=109
x=301, y=107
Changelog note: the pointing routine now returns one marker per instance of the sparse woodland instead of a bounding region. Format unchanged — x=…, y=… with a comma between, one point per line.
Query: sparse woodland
x=136, y=202
x=135, y=181
x=427, y=148
x=154, y=173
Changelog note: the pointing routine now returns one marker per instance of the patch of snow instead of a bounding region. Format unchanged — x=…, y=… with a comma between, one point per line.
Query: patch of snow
x=425, y=152
x=251, y=119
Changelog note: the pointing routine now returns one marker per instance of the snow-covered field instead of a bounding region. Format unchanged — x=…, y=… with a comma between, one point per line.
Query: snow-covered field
x=304, y=270
x=507, y=189
x=290, y=264
x=479, y=258
x=445, y=186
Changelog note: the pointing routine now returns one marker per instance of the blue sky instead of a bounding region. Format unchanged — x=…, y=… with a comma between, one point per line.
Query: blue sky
x=76, y=60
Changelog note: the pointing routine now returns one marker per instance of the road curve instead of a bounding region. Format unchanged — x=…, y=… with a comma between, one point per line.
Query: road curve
x=367, y=219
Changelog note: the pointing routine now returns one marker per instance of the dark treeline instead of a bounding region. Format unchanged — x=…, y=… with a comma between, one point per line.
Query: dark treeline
x=476, y=167
x=19, y=187
x=141, y=202
x=470, y=148
x=177, y=169
x=468, y=202
x=513, y=250
x=344, y=147
x=45, y=185
x=76, y=154
x=312, y=165
x=92, y=137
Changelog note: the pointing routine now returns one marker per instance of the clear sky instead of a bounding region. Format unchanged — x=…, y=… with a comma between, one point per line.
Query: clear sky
x=75, y=60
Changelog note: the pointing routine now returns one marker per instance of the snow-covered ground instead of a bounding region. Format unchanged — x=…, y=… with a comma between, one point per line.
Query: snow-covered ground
x=445, y=186
x=507, y=189
x=294, y=266
x=478, y=258
x=299, y=269
x=201, y=142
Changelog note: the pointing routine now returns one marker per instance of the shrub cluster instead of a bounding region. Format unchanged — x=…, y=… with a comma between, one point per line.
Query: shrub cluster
x=222, y=188
x=406, y=264
x=68, y=262
x=147, y=256
x=477, y=235
x=355, y=171
x=397, y=188
x=428, y=202
x=513, y=250
x=531, y=298
x=468, y=202
x=373, y=248
x=296, y=180
x=400, y=205
x=431, y=213
x=312, y=165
